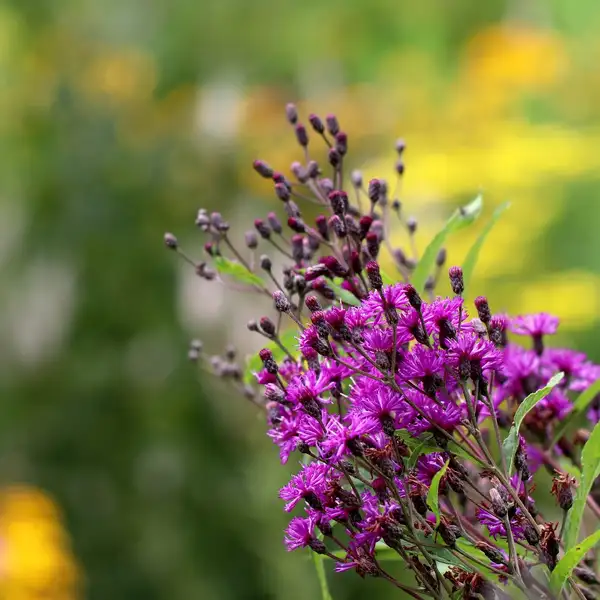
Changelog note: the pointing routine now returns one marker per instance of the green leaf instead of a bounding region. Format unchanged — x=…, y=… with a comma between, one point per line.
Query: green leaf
x=237, y=271
x=425, y=447
x=471, y=259
x=570, y=560
x=321, y=576
x=433, y=493
x=461, y=218
x=590, y=469
x=509, y=446
x=579, y=406
x=460, y=451
x=344, y=295
x=254, y=364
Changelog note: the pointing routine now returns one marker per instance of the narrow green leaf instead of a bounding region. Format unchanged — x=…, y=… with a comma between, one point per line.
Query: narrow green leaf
x=237, y=271
x=455, y=448
x=425, y=447
x=344, y=295
x=590, y=469
x=321, y=576
x=509, y=446
x=471, y=259
x=433, y=500
x=461, y=218
x=579, y=406
x=570, y=560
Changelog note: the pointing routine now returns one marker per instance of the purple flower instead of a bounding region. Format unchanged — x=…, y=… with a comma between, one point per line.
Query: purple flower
x=307, y=387
x=299, y=533
x=469, y=350
x=495, y=525
x=285, y=433
x=422, y=363
x=341, y=440
x=310, y=485
x=444, y=414
x=442, y=311
x=535, y=325
x=428, y=465
x=373, y=307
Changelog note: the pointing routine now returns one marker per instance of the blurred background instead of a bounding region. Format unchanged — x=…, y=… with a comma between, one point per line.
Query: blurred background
x=125, y=473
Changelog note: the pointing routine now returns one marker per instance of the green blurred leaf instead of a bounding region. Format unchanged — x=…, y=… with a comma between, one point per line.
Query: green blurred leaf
x=321, y=576
x=237, y=271
x=509, y=446
x=423, y=448
x=579, y=406
x=344, y=295
x=433, y=493
x=461, y=218
x=590, y=469
x=470, y=261
x=570, y=560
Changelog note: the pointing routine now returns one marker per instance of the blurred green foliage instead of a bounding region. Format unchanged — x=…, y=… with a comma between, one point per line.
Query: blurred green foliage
x=168, y=486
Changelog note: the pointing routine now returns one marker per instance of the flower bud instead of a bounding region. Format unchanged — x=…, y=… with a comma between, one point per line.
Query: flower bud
x=265, y=263
x=341, y=143
x=274, y=222
x=400, y=167
x=456, y=280
x=499, y=507
x=326, y=185
x=411, y=225
x=339, y=202
x=356, y=178
x=440, y=259
x=301, y=135
x=321, y=223
x=268, y=361
x=333, y=126
x=373, y=244
x=334, y=157
x=282, y=192
x=586, y=575
x=483, y=309
x=491, y=552
x=338, y=226
x=251, y=239
x=263, y=169
x=273, y=393
x=316, y=123
x=400, y=146
x=267, y=326
x=282, y=304
x=171, y=241
x=312, y=169
x=413, y=296
x=296, y=225
x=374, y=190
x=312, y=303
x=252, y=325
x=334, y=266
x=291, y=113
x=263, y=229
x=372, y=269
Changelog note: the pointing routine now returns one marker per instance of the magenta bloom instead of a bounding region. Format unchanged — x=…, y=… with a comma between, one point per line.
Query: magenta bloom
x=299, y=533
x=309, y=485
x=373, y=307
x=535, y=325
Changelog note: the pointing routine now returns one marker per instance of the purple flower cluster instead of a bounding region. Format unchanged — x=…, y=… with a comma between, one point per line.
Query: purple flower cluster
x=389, y=396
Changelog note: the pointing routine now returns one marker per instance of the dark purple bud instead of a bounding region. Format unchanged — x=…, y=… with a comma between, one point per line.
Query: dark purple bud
x=355, y=261
x=268, y=361
x=456, y=280
x=411, y=225
x=171, y=241
x=400, y=146
x=263, y=169
x=211, y=249
x=396, y=205
x=400, y=167
x=339, y=202
x=491, y=552
x=291, y=113
x=251, y=239
x=318, y=320
x=357, y=179
x=374, y=190
x=316, y=123
x=267, y=326
x=497, y=331
x=312, y=303
x=364, y=225
x=252, y=325
x=338, y=226
x=297, y=242
x=203, y=220
x=301, y=135
x=372, y=269
x=320, y=285
x=321, y=223
x=440, y=259
x=334, y=266
x=334, y=157
x=291, y=209
x=263, y=229
x=352, y=226
x=281, y=302
x=265, y=263
x=483, y=309
x=312, y=169
x=373, y=244
x=282, y=191
x=413, y=296
x=586, y=575
x=296, y=225
x=332, y=124
x=274, y=222
x=341, y=143
x=315, y=271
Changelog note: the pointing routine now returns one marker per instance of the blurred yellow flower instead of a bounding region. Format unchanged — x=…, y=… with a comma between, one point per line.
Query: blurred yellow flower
x=35, y=558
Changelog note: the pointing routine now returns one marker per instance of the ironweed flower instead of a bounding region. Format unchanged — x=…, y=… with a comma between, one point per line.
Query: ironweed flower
x=390, y=394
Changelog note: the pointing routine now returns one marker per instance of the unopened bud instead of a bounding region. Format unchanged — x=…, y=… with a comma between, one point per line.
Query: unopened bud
x=296, y=225
x=356, y=178
x=456, y=280
x=400, y=146
x=274, y=222
x=374, y=274
x=341, y=143
x=282, y=192
x=483, y=309
x=263, y=169
x=312, y=304
x=332, y=124
x=334, y=157
x=252, y=325
x=586, y=575
x=316, y=123
x=338, y=226
x=413, y=296
x=334, y=266
x=273, y=393
x=291, y=113
x=321, y=223
x=171, y=241
x=411, y=225
x=374, y=190
x=499, y=507
x=312, y=169
x=440, y=259
x=373, y=244
x=491, y=552
x=263, y=229
x=267, y=326
x=400, y=167
x=251, y=239
x=326, y=185
x=339, y=202
x=265, y=263
x=301, y=135
x=282, y=304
